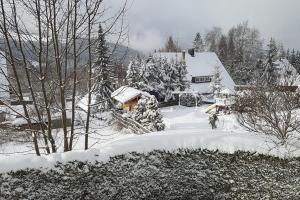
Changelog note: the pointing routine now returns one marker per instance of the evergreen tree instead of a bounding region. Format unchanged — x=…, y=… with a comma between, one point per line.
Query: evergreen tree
x=151, y=80
x=148, y=115
x=212, y=38
x=229, y=63
x=245, y=48
x=104, y=75
x=273, y=52
x=181, y=71
x=171, y=46
x=213, y=46
x=168, y=77
x=270, y=76
x=281, y=51
x=215, y=85
x=223, y=49
x=293, y=57
x=288, y=54
x=133, y=74
x=198, y=43
x=297, y=61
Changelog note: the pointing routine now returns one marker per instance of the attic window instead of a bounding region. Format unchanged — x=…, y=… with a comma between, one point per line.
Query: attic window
x=201, y=79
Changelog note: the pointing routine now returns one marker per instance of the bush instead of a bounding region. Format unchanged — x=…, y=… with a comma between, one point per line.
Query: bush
x=148, y=115
x=189, y=100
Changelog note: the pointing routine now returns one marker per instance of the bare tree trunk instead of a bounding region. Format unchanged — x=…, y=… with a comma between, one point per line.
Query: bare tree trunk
x=86, y=146
x=29, y=78
x=20, y=93
x=42, y=73
x=53, y=25
x=74, y=75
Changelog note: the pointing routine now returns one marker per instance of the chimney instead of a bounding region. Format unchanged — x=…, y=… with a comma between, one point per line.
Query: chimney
x=192, y=52
x=183, y=57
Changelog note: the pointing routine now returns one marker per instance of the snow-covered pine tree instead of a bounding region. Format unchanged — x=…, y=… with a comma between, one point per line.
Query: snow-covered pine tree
x=270, y=76
x=288, y=54
x=148, y=115
x=223, y=49
x=213, y=46
x=215, y=85
x=281, y=51
x=171, y=46
x=152, y=80
x=297, y=62
x=181, y=71
x=169, y=78
x=133, y=74
x=293, y=58
x=158, y=75
x=103, y=86
x=198, y=43
x=190, y=100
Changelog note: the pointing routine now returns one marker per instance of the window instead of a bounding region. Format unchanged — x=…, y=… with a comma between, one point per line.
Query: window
x=201, y=79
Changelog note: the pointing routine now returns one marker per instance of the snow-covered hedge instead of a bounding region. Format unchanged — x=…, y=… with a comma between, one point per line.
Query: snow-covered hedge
x=185, y=174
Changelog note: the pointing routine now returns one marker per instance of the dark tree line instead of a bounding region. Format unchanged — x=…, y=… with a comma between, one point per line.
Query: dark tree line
x=243, y=52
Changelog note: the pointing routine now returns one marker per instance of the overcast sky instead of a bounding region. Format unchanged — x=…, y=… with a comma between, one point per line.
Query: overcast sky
x=152, y=21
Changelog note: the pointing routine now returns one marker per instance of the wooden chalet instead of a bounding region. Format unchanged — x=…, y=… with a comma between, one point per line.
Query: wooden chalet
x=128, y=97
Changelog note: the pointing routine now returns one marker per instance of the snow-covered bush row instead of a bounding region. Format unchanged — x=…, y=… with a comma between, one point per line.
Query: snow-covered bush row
x=184, y=174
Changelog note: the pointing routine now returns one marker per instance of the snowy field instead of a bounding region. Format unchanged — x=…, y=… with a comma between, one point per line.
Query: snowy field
x=185, y=128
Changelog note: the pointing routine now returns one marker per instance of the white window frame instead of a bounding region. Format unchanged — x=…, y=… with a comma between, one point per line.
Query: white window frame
x=202, y=79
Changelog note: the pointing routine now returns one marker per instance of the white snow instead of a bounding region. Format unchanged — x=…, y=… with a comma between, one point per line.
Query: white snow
x=125, y=94
x=227, y=91
x=186, y=128
x=202, y=64
x=84, y=102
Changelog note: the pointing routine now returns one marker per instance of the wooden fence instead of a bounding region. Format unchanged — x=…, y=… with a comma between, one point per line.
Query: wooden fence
x=134, y=126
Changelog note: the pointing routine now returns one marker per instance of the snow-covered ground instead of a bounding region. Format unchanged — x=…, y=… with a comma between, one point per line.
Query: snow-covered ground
x=185, y=128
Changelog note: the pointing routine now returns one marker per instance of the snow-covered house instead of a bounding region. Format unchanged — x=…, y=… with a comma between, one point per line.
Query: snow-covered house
x=128, y=97
x=201, y=68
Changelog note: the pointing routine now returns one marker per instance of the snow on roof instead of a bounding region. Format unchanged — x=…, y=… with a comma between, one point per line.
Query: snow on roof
x=83, y=103
x=227, y=91
x=125, y=94
x=202, y=64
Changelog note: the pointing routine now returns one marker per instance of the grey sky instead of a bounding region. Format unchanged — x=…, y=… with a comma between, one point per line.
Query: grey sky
x=151, y=21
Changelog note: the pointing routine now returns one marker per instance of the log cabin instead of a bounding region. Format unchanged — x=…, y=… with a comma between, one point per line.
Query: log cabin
x=128, y=97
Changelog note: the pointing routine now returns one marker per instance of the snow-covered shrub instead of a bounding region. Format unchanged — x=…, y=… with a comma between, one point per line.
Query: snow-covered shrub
x=148, y=115
x=271, y=111
x=189, y=100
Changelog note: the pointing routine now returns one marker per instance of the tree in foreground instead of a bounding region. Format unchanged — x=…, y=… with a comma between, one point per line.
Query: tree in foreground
x=148, y=115
x=270, y=110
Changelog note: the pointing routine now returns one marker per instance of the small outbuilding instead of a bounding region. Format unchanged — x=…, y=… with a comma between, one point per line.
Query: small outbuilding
x=128, y=97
